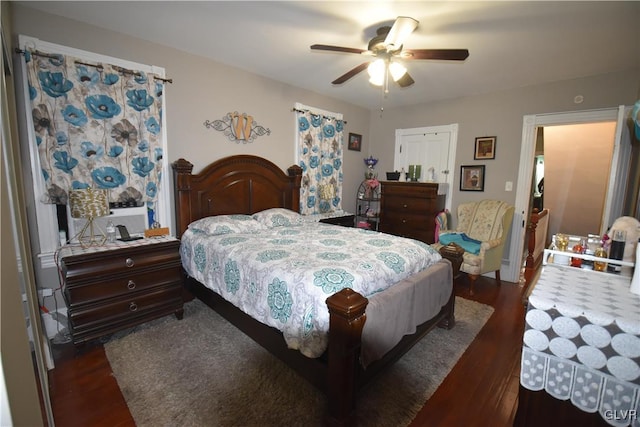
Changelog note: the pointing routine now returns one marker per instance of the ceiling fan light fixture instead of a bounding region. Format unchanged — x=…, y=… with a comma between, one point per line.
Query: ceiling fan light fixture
x=397, y=71
x=376, y=70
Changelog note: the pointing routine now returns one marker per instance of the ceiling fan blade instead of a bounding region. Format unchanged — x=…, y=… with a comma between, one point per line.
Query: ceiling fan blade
x=445, y=54
x=346, y=76
x=336, y=48
x=405, y=80
x=399, y=32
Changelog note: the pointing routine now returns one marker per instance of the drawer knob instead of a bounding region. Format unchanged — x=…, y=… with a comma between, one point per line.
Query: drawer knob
x=131, y=284
x=133, y=306
x=129, y=262
x=404, y=206
x=404, y=221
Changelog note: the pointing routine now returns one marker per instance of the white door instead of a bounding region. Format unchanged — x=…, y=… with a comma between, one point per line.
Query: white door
x=433, y=148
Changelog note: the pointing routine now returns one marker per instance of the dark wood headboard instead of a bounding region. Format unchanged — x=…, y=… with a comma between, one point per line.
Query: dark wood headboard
x=242, y=184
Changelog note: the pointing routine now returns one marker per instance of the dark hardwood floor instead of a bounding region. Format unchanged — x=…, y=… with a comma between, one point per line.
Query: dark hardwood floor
x=481, y=390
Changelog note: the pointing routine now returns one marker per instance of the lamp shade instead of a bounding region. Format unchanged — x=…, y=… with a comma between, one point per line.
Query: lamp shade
x=88, y=203
x=376, y=71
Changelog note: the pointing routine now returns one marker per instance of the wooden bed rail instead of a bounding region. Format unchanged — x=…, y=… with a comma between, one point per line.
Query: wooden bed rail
x=537, y=229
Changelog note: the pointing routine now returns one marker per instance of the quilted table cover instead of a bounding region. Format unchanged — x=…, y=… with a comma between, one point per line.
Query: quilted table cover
x=582, y=342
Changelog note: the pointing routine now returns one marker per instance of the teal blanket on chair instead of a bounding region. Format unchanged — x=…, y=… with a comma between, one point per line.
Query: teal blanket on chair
x=465, y=242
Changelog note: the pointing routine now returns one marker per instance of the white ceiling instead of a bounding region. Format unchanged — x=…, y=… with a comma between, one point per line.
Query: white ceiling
x=511, y=44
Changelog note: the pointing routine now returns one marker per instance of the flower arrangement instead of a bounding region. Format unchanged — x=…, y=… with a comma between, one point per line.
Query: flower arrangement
x=371, y=163
x=606, y=243
x=373, y=183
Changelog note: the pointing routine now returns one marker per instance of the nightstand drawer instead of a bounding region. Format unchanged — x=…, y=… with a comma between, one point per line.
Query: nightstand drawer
x=131, y=260
x=123, y=309
x=120, y=285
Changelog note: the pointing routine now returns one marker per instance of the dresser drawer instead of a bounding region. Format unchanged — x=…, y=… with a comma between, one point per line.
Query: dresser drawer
x=410, y=189
x=394, y=205
x=120, y=285
x=124, y=309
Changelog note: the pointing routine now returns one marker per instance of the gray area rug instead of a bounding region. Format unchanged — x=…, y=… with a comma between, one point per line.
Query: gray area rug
x=202, y=371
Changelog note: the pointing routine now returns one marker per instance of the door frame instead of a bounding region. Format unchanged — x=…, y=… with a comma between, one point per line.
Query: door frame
x=613, y=198
x=453, y=143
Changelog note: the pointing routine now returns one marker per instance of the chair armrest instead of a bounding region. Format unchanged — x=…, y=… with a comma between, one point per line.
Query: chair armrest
x=491, y=253
x=490, y=244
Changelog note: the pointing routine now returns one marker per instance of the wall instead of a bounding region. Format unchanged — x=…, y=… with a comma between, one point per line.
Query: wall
x=204, y=90
x=577, y=159
x=17, y=362
x=499, y=114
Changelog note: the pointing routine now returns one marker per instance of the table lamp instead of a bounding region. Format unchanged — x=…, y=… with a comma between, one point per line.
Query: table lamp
x=89, y=204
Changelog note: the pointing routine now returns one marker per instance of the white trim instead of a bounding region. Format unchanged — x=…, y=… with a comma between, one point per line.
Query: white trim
x=27, y=42
x=317, y=111
x=525, y=175
x=452, y=129
x=46, y=217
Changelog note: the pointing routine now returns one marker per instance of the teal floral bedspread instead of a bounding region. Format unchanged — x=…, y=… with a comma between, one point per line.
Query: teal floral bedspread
x=282, y=274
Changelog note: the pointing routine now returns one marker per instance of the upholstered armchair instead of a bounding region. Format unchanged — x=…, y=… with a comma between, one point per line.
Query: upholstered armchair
x=481, y=231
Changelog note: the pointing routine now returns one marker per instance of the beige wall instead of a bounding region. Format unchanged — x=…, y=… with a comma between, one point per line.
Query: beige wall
x=500, y=114
x=577, y=159
x=205, y=90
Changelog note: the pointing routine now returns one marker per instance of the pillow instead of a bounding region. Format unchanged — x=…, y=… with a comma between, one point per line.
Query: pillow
x=225, y=224
x=278, y=217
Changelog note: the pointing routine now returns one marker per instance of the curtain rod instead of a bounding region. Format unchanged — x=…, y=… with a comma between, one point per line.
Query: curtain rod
x=99, y=66
x=309, y=111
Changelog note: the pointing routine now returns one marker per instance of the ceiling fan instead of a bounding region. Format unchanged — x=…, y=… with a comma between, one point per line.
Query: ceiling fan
x=386, y=46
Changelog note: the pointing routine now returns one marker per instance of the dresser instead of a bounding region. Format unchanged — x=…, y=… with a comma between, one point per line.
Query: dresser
x=408, y=209
x=120, y=285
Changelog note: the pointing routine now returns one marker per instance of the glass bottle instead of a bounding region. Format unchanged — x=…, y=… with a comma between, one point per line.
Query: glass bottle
x=111, y=232
x=600, y=252
x=617, y=249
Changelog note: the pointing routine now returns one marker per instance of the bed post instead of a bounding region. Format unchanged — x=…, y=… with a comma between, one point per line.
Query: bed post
x=346, y=321
x=295, y=172
x=182, y=183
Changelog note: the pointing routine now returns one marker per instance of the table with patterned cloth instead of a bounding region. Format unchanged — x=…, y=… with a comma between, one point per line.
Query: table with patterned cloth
x=582, y=342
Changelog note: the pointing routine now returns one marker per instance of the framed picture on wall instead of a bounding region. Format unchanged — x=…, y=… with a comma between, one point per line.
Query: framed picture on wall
x=485, y=148
x=472, y=178
x=355, y=142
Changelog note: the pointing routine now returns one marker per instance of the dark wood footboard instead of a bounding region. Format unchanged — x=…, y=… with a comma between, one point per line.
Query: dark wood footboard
x=338, y=373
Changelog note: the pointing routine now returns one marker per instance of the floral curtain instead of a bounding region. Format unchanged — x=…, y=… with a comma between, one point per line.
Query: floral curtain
x=320, y=150
x=97, y=126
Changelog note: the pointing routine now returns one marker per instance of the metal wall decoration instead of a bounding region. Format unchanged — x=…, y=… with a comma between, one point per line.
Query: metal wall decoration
x=238, y=127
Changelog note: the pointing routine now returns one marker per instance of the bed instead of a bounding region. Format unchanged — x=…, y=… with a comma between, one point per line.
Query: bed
x=246, y=185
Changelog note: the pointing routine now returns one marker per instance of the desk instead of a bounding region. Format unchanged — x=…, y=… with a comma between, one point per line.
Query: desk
x=582, y=342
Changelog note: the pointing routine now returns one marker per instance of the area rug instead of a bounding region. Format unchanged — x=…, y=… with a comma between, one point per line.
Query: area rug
x=202, y=371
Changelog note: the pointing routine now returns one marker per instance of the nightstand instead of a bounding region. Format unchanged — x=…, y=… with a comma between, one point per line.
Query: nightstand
x=454, y=253
x=345, y=220
x=120, y=285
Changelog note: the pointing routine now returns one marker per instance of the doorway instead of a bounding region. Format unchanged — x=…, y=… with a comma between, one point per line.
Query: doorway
x=616, y=180
x=434, y=149
x=573, y=162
